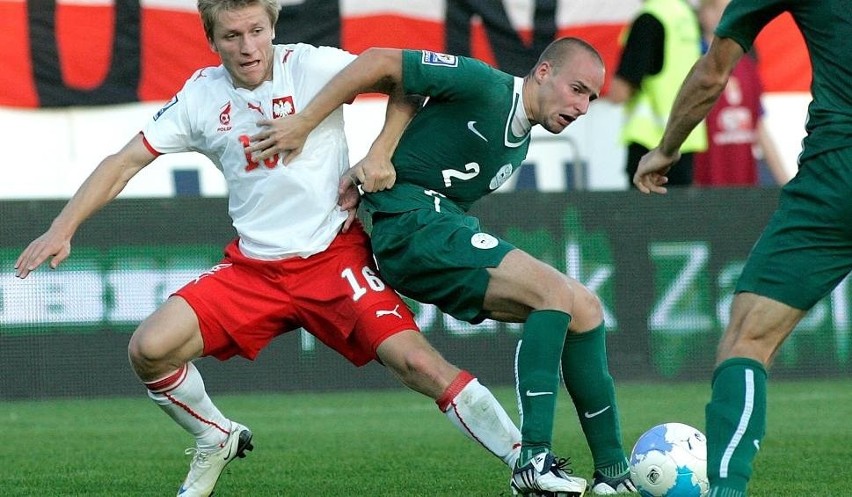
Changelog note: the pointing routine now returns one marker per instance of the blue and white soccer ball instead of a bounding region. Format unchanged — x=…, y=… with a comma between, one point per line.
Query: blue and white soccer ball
x=670, y=460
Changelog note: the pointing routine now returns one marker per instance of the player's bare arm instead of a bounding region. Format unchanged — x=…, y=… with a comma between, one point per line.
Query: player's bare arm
x=104, y=184
x=377, y=70
x=376, y=171
x=700, y=90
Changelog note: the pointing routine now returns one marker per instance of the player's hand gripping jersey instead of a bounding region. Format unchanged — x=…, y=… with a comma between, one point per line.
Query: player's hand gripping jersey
x=265, y=200
x=469, y=138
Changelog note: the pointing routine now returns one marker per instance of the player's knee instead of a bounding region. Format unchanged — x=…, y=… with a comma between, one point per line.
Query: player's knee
x=554, y=291
x=591, y=303
x=586, y=308
x=144, y=353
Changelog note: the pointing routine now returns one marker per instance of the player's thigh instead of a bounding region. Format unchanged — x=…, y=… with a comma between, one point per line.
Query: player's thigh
x=521, y=283
x=806, y=248
x=170, y=334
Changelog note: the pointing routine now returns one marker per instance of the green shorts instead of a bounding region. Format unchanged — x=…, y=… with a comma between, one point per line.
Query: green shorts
x=806, y=249
x=437, y=258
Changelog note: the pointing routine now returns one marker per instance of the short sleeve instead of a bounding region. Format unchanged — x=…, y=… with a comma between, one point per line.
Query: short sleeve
x=316, y=66
x=743, y=20
x=169, y=130
x=444, y=76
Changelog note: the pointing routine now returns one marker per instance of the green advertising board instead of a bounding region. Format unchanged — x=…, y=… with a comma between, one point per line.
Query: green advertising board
x=664, y=268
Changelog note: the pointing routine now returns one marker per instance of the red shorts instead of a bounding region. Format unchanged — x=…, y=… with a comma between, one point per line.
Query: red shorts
x=336, y=295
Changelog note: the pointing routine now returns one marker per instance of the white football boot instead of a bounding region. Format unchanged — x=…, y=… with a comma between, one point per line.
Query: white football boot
x=206, y=466
x=547, y=475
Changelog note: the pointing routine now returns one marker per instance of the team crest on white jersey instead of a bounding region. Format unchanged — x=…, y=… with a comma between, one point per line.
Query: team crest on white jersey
x=225, y=118
x=171, y=102
x=501, y=177
x=282, y=106
x=439, y=59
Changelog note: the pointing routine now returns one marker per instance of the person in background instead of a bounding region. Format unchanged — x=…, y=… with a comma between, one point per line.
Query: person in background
x=661, y=44
x=471, y=135
x=804, y=252
x=299, y=259
x=736, y=130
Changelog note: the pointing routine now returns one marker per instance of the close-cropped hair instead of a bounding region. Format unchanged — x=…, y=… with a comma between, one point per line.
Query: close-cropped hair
x=563, y=49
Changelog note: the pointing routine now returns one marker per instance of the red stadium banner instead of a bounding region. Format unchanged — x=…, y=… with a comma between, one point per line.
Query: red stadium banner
x=98, y=52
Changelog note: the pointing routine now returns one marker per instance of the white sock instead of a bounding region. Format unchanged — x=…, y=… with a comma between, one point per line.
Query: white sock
x=473, y=409
x=182, y=396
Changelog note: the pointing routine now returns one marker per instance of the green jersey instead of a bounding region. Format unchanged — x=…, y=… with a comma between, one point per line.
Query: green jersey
x=468, y=139
x=827, y=28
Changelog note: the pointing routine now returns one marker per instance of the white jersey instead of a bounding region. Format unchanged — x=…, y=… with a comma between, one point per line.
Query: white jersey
x=278, y=211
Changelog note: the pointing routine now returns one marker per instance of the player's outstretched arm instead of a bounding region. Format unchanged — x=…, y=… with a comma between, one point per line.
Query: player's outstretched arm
x=376, y=70
x=105, y=182
x=699, y=91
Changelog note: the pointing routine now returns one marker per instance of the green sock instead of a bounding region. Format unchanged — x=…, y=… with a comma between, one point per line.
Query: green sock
x=586, y=374
x=736, y=423
x=537, y=379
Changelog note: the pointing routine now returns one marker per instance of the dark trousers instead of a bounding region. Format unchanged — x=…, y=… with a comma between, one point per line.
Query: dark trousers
x=679, y=175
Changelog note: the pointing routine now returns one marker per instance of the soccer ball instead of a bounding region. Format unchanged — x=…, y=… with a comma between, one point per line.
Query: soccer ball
x=670, y=460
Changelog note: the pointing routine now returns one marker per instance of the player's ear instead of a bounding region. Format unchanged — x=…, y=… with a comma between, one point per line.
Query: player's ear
x=542, y=70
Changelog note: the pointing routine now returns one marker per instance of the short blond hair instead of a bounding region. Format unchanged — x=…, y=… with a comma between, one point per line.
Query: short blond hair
x=210, y=10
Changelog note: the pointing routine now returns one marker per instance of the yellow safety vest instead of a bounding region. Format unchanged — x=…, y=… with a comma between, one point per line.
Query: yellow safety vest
x=649, y=108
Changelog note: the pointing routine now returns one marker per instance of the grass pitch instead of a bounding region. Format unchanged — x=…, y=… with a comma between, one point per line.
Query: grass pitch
x=384, y=443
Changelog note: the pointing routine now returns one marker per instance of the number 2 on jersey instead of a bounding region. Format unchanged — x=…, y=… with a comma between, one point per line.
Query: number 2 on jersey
x=358, y=290
x=472, y=170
